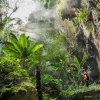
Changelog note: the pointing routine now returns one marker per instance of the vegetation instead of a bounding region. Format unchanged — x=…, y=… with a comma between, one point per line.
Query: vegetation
x=49, y=3
x=82, y=93
x=60, y=7
x=50, y=67
x=81, y=17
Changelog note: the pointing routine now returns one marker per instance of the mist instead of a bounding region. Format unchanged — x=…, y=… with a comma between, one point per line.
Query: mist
x=36, y=19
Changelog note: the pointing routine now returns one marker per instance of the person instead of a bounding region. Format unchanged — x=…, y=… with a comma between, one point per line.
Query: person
x=86, y=79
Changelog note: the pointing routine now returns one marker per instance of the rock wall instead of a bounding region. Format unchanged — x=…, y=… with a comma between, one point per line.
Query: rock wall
x=23, y=91
x=92, y=36
x=88, y=31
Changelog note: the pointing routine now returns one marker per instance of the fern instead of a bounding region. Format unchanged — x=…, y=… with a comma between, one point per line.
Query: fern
x=80, y=17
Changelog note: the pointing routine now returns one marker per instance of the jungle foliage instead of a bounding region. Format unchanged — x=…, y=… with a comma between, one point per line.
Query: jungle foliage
x=52, y=64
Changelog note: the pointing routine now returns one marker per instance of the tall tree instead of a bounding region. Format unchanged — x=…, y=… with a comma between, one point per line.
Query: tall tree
x=6, y=11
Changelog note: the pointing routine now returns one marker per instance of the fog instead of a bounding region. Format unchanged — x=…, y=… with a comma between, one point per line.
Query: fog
x=36, y=12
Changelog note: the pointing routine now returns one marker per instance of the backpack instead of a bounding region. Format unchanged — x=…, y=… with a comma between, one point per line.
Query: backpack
x=87, y=78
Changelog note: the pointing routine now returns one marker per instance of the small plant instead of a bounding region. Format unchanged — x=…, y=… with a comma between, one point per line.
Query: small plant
x=76, y=70
x=80, y=17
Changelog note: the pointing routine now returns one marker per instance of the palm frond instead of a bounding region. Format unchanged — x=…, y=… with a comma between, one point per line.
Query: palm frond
x=35, y=47
x=23, y=41
x=16, y=45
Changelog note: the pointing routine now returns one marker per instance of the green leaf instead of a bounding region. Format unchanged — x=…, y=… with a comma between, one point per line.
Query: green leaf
x=13, y=36
x=23, y=41
x=5, y=51
x=76, y=62
x=85, y=57
x=11, y=51
x=35, y=47
x=14, y=73
x=16, y=45
x=8, y=43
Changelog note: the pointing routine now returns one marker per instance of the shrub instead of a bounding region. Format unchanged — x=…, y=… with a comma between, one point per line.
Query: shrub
x=10, y=70
x=51, y=86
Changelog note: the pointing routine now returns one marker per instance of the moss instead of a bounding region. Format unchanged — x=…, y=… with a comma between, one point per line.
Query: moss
x=22, y=91
x=84, y=93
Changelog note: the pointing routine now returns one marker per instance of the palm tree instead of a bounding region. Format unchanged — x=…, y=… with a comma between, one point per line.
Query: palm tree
x=20, y=48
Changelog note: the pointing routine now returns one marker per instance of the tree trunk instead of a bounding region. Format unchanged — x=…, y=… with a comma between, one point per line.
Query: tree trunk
x=23, y=63
x=38, y=83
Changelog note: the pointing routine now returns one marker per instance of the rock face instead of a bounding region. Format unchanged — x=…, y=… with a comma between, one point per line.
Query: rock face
x=70, y=7
x=89, y=31
x=89, y=95
x=15, y=85
x=23, y=91
x=85, y=93
x=92, y=37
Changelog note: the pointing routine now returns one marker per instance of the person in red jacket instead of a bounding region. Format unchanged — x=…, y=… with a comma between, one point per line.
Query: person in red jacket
x=86, y=79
